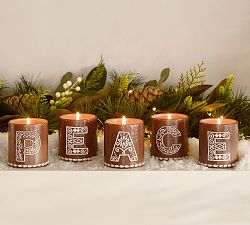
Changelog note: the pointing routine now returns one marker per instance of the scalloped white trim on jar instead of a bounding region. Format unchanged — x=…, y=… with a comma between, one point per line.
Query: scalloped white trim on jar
x=124, y=166
x=28, y=166
x=166, y=159
x=74, y=160
x=217, y=166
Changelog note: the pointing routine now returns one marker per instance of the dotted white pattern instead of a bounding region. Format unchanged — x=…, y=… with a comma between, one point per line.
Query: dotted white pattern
x=74, y=160
x=124, y=166
x=27, y=143
x=123, y=146
x=75, y=144
x=175, y=158
x=217, y=166
x=28, y=166
x=167, y=150
x=151, y=163
x=214, y=146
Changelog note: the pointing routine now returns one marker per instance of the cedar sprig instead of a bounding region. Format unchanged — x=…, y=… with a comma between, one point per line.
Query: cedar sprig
x=191, y=78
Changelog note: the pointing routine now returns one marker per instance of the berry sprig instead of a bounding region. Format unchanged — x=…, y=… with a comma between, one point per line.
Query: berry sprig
x=62, y=98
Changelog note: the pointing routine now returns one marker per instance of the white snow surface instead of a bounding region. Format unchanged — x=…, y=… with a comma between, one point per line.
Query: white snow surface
x=189, y=164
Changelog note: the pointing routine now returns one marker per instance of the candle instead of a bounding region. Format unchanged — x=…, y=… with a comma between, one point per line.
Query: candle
x=77, y=137
x=218, y=144
x=124, y=142
x=28, y=143
x=169, y=139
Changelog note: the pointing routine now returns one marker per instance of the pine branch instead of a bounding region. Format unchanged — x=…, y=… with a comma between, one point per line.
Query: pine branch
x=124, y=81
x=38, y=107
x=27, y=84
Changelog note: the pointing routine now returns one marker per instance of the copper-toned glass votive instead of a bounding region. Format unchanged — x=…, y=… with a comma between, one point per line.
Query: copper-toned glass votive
x=218, y=145
x=124, y=143
x=77, y=137
x=169, y=139
x=28, y=143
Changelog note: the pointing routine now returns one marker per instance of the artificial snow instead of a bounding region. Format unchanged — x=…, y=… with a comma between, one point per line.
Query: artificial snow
x=189, y=164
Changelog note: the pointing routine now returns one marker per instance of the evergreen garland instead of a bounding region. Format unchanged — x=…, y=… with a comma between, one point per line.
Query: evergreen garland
x=124, y=94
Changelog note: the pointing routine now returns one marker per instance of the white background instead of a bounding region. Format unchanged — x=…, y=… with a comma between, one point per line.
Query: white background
x=52, y=37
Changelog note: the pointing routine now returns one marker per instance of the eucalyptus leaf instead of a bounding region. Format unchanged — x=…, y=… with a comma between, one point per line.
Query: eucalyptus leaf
x=96, y=79
x=60, y=112
x=151, y=83
x=213, y=106
x=197, y=90
x=6, y=109
x=164, y=76
x=213, y=96
x=105, y=91
x=4, y=120
x=67, y=76
x=167, y=102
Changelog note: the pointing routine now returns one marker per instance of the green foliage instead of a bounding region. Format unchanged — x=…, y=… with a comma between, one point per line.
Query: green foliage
x=118, y=106
x=239, y=109
x=38, y=107
x=197, y=90
x=111, y=107
x=84, y=104
x=226, y=91
x=125, y=96
x=192, y=78
x=6, y=113
x=188, y=106
x=63, y=102
x=27, y=84
x=194, y=110
x=212, y=107
x=95, y=80
x=223, y=92
x=163, y=77
x=2, y=86
x=167, y=102
x=114, y=104
x=4, y=120
x=138, y=110
x=124, y=81
x=66, y=77
x=6, y=109
x=151, y=83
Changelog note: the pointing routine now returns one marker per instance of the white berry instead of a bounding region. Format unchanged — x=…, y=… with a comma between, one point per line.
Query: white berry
x=69, y=83
x=78, y=88
x=58, y=94
x=65, y=86
x=79, y=79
